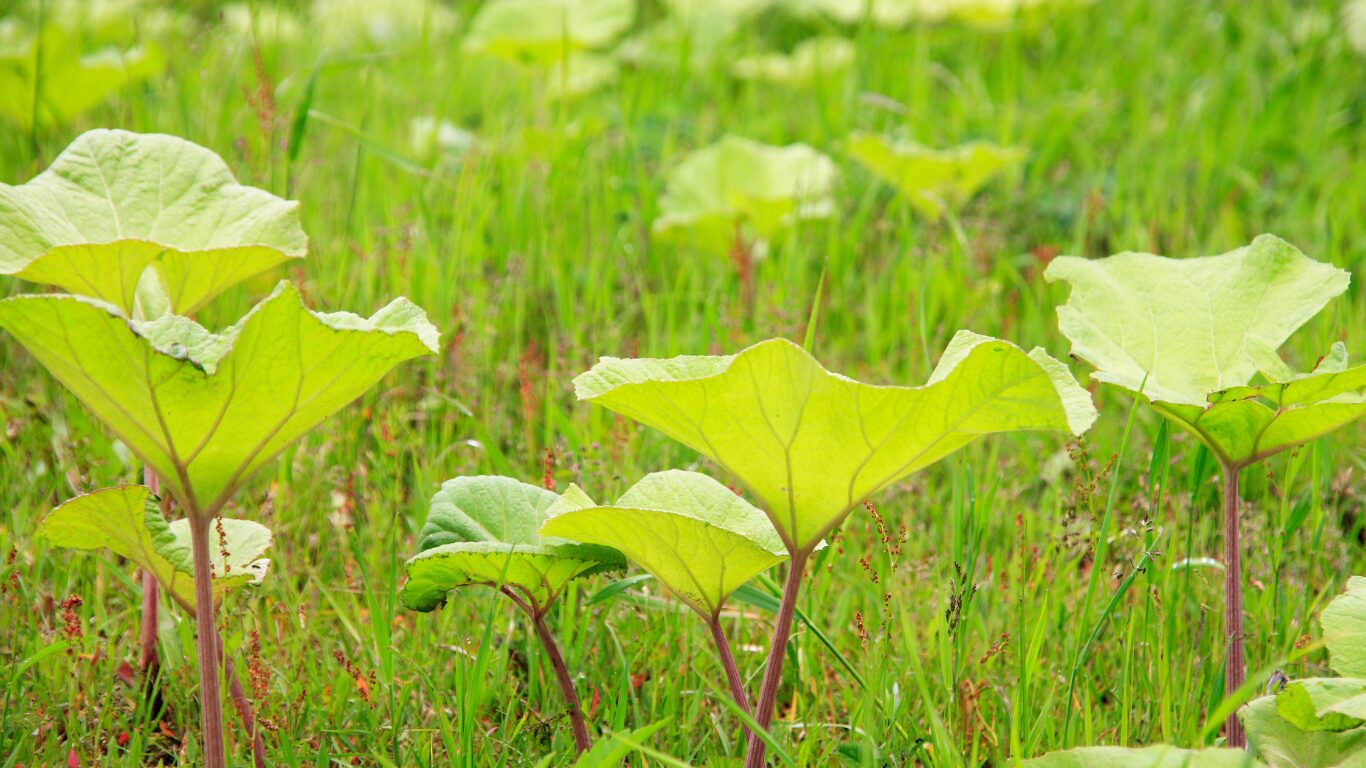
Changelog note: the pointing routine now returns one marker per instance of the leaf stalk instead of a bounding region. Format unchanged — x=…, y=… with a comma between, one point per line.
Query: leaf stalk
x=206, y=638
x=1234, y=666
x=773, y=668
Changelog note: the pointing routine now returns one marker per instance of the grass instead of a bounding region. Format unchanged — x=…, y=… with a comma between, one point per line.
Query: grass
x=1170, y=127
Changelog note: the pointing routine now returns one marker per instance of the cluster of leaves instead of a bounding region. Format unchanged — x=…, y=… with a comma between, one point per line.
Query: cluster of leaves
x=144, y=230
x=742, y=191
x=809, y=445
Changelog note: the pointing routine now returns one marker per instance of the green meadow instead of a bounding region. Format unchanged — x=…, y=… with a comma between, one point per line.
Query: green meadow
x=1032, y=592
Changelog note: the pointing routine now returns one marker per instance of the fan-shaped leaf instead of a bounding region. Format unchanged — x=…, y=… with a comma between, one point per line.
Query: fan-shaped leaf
x=741, y=182
x=72, y=81
x=1160, y=756
x=205, y=410
x=812, y=444
x=695, y=535
x=544, y=31
x=115, y=203
x=1191, y=333
x=933, y=180
x=810, y=62
x=483, y=530
x=127, y=521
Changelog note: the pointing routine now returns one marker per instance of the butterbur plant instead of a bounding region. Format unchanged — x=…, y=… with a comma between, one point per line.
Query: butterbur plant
x=1189, y=336
x=696, y=536
x=741, y=193
x=146, y=227
x=936, y=182
x=812, y=445
x=483, y=531
x=150, y=224
x=205, y=410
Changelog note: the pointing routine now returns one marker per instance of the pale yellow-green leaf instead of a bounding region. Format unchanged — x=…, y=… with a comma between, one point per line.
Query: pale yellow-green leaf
x=933, y=180
x=544, y=31
x=1192, y=333
x=812, y=61
x=73, y=80
x=115, y=203
x=812, y=444
x=738, y=182
x=483, y=530
x=693, y=534
x=127, y=521
x=206, y=410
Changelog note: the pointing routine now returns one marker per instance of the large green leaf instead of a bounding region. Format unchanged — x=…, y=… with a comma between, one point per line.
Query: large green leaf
x=72, y=81
x=205, y=410
x=127, y=521
x=812, y=444
x=1344, y=629
x=1159, y=756
x=483, y=530
x=810, y=62
x=115, y=203
x=934, y=181
x=698, y=537
x=544, y=31
x=1280, y=744
x=737, y=182
x=1191, y=334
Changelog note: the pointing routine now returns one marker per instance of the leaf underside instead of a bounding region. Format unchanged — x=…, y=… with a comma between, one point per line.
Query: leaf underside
x=693, y=534
x=115, y=203
x=127, y=521
x=204, y=410
x=482, y=530
x=1190, y=334
x=811, y=444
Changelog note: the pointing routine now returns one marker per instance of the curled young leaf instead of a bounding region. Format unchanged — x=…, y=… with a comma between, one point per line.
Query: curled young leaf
x=812, y=444
x=737, y=182
x=115, y=203
x=483, y=530
x=1191, y=333
x=127, y=521
x=205, y=410
x=699, y=538
x=934, y=181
